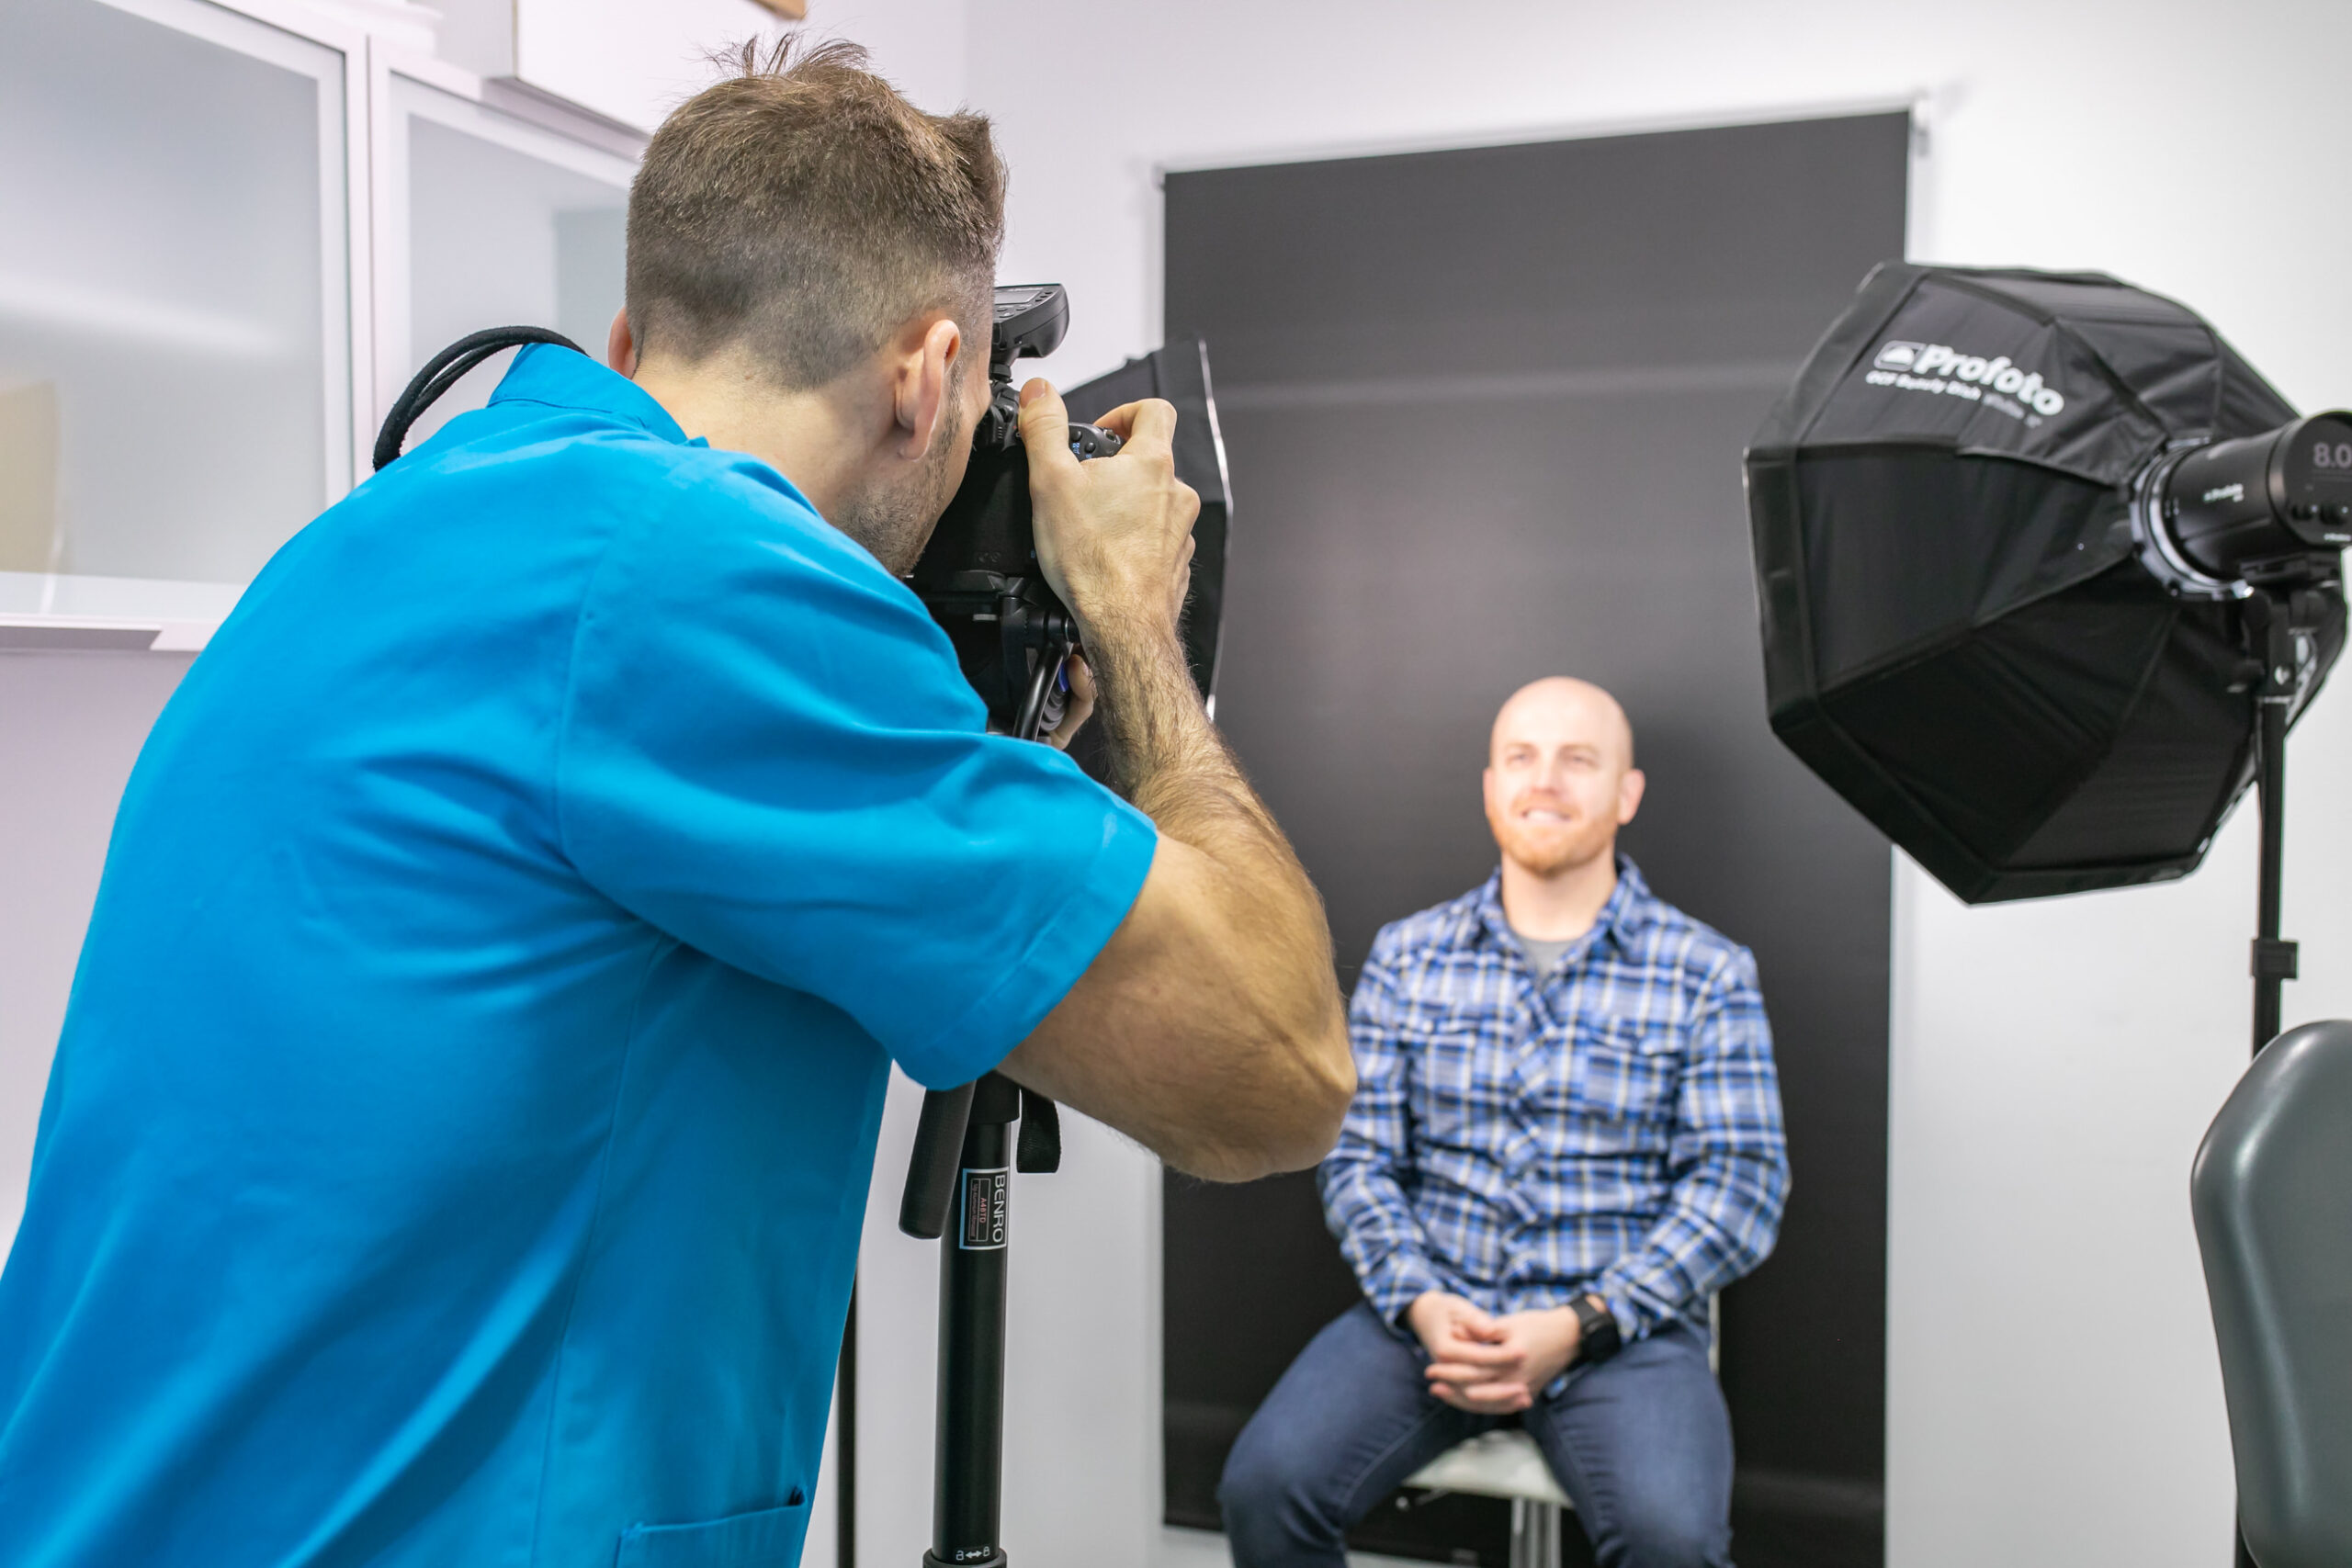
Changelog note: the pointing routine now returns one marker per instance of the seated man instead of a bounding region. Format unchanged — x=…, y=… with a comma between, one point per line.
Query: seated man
x=1566, y=1136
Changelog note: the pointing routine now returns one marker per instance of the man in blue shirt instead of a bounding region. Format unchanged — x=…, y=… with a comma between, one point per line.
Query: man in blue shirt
x=1567, y=1138
x=459, y=1135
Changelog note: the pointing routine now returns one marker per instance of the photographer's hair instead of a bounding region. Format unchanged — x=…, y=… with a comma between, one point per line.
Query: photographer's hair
x=802, y=210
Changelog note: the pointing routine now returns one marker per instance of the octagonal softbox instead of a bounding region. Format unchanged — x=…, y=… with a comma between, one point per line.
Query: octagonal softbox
x=1960, y=634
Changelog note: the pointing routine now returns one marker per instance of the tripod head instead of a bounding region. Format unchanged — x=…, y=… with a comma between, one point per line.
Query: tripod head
x=947, y=1115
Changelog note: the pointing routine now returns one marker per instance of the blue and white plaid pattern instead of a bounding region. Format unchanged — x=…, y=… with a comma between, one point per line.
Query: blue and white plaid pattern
x=1616, y=1129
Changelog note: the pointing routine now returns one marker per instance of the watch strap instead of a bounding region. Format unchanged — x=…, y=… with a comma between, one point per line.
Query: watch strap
x=1598, y=1335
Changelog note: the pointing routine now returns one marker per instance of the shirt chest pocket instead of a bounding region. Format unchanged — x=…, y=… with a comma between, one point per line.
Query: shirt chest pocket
x=1458, y=1084
x=1626, y=1071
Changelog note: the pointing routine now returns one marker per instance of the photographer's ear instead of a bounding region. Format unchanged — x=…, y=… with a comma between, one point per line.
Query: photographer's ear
x=620, y=344
x=927, y=386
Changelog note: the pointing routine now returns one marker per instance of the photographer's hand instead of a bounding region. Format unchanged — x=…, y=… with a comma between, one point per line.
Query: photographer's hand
x=1210, y=1026
x=1115, y=535
x=1077, y=708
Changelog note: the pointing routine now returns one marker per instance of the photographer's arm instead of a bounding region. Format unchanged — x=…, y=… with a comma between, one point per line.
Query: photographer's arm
x=1209, y=1027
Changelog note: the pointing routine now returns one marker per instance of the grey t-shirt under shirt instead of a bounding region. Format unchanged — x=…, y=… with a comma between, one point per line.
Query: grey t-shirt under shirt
x=1543, y=957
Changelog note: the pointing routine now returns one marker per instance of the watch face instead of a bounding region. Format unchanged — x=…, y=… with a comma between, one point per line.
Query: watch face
x=1600, y=1336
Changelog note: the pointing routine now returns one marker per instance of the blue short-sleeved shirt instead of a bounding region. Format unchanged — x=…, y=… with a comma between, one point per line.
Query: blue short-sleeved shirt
x=460, y=1136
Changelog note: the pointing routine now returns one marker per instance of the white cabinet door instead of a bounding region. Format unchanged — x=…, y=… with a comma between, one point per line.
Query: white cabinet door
x=488, y=222
x=175, y=346
x=627, y=59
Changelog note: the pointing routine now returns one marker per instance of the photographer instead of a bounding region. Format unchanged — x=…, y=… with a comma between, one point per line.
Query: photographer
x=457, y=1143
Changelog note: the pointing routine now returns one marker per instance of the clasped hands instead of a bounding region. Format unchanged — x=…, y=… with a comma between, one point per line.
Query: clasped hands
x=1488, y=1364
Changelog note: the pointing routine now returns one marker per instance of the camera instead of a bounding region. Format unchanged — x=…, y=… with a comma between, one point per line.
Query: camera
x=979, y=577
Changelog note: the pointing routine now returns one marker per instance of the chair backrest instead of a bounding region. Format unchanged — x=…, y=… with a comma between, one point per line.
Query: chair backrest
x=2272, y=1194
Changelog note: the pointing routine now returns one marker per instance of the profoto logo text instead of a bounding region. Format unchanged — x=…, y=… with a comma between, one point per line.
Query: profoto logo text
x=1939, y=367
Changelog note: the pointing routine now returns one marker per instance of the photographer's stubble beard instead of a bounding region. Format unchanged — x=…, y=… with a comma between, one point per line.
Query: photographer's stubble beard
x=893, y=519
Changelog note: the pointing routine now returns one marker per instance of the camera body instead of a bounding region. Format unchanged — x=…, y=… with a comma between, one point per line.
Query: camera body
x=979, y=576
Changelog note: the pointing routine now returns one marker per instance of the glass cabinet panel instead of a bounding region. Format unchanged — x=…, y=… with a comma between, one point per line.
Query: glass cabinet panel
x=499, y=223
x=175, y=310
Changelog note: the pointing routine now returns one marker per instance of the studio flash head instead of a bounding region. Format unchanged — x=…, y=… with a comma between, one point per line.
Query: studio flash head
x=2216, y=518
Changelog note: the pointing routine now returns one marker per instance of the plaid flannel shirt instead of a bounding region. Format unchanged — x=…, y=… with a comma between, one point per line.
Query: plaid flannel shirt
x=1615, y=1129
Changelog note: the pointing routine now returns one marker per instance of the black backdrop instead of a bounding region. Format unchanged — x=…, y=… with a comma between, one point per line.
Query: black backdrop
x=1484, y=412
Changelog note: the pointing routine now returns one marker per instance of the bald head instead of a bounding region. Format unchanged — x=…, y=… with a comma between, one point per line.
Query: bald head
x=1562, y=705
x=1560, y=775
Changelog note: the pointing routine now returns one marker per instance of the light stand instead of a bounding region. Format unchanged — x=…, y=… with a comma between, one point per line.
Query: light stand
x=2280, y=625
x=2027, y=544
x=2283, y=643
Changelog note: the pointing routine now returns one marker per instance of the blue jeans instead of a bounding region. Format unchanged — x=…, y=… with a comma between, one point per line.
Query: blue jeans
x=1641, y=1442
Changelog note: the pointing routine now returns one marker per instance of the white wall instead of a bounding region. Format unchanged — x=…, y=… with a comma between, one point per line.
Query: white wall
x=2054, y=1397
x=70, y=725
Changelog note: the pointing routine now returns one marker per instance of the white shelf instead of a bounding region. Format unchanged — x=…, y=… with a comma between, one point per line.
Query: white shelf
x=40, y=613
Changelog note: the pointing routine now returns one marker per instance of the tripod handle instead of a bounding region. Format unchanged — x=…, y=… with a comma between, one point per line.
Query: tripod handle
x=1040, y=1149
x=931, y=1171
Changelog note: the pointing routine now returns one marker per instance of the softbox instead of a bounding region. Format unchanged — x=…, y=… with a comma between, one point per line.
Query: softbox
x=1975, y=628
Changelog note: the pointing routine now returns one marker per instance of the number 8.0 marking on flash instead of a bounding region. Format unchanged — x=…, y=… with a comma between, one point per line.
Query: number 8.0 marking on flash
x=2337, y=456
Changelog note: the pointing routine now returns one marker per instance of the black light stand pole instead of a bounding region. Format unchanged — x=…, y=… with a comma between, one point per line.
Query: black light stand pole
x=2270, y=626
x=2271, y=636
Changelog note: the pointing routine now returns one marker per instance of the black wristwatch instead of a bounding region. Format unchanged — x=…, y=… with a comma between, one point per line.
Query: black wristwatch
x=1597, y=1337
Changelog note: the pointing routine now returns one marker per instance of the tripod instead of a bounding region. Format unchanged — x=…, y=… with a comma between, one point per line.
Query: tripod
x=959, y=1172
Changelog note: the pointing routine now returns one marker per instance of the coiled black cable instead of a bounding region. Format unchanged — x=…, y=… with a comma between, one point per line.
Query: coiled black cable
x=442, y=372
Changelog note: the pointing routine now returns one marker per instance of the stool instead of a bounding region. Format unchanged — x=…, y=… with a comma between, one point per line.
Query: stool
x=1505, y=1464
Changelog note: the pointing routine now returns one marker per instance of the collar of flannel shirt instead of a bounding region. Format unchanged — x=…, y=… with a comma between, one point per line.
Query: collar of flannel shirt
x=1631, y=907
